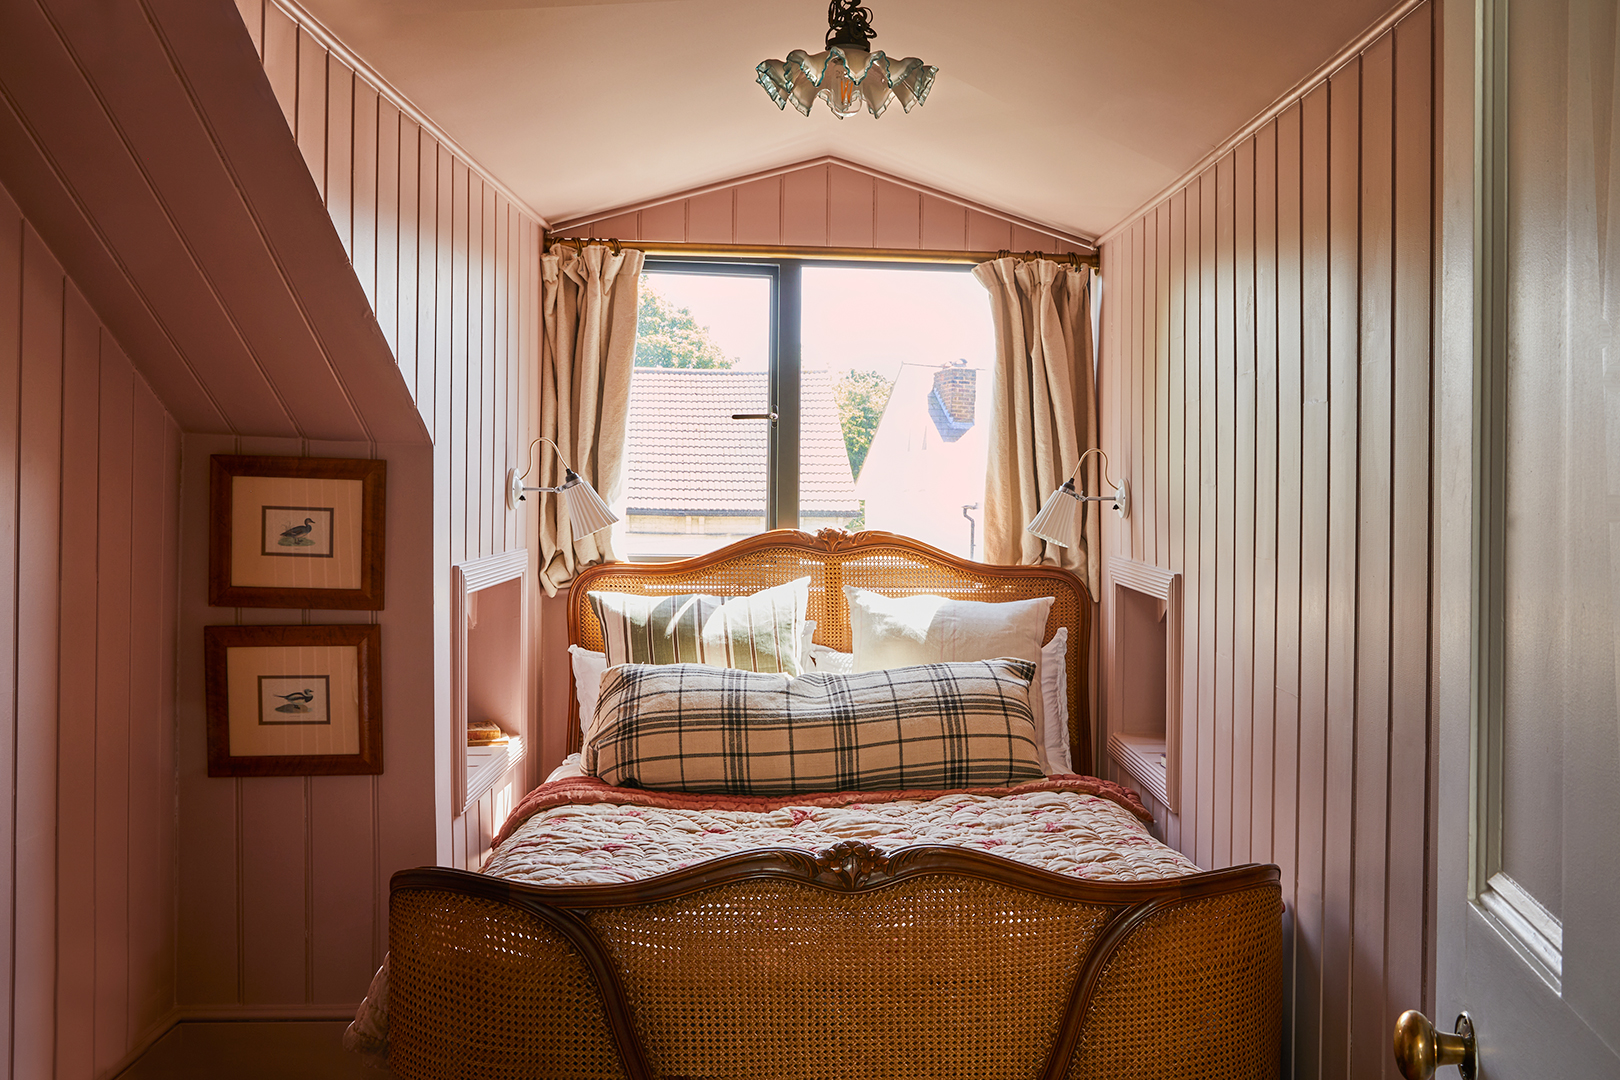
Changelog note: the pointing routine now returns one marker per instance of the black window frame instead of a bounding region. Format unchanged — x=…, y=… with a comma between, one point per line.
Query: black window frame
x=784, y=358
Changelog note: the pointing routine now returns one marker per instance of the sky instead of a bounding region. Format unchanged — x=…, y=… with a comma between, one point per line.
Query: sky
x=853, y=319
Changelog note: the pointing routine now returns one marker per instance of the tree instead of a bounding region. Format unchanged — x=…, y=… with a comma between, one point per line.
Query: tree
x=861, y=397
x=668, y=336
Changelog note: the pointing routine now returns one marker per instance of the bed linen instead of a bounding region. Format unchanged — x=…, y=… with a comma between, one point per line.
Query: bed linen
x=577, y=830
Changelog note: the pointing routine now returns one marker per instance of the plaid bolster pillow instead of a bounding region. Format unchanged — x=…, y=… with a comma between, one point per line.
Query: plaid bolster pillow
x=688, y=727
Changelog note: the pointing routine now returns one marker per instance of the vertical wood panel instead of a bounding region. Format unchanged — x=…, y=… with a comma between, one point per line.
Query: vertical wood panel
x=39, y=458
x=273, y=870
x=1313, y=760
x=944, y=224
x=1407, y=931
x=113, y=701
x=709, y=218
x=986, y=233
x=340, y=151
x=149, y=818
x=75, y=808
x=804, y=208
x=310, y=113
x=1262, y=847
x=896, y=216
x=759, y=212
x=1243, y=499
x=395, y=230
x=280, y=56
x=1209, y=658
x=1344, y=252
x=1286, y=800
x=1226, y=495
x=1373, y=598
x=850, y=206
x=12, y=229
x=1296, y=389
x=365, y=195
x=666, y=222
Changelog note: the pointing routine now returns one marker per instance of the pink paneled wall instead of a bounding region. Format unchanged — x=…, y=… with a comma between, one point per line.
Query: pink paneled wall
x=1266, y=388
x=823, y=203
x=450, y=263
x=89, y=494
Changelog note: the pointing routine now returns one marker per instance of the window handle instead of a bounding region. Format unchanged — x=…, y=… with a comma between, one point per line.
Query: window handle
x=754, y=416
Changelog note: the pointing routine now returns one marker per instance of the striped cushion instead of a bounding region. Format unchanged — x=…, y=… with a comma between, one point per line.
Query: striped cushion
x=752, y=633
x=692, y=728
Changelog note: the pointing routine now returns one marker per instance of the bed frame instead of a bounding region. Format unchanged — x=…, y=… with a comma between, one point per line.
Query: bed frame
x=849, y=963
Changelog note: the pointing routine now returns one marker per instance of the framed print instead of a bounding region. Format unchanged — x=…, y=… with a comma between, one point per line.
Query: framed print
x=296, y=532
x=293, y=700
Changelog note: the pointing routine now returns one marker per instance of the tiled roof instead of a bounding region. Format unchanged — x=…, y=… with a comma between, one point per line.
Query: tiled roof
x=685, y=455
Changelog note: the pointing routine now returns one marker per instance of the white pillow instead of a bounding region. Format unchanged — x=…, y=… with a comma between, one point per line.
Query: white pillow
x=885, y=632
x=1054, y=680
x=588, y=667
x=830, y=661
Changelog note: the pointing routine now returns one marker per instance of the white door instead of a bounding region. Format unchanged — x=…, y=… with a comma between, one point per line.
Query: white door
x=1528, y=645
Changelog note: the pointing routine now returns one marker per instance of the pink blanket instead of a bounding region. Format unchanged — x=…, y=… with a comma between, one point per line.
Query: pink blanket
x=585, y=790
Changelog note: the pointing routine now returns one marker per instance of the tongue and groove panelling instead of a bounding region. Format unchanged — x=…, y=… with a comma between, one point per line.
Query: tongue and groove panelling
x=1266, y=388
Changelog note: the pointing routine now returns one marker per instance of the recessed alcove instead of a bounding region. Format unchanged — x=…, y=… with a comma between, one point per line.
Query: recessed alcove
x=490, y=668
x=1144, y=737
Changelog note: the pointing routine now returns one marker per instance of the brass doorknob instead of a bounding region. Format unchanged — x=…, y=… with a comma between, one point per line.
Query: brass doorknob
x=1419, y=1049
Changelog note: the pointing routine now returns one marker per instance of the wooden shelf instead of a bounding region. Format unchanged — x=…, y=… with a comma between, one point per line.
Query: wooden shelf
x=487, y=764
x=1143, y=756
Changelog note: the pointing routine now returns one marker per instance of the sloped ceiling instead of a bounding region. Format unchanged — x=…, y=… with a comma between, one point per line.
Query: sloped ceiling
x=143, y=143
x=1069, y=112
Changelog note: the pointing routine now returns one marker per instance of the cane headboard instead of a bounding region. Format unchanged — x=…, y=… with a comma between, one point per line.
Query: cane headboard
x=883, y=562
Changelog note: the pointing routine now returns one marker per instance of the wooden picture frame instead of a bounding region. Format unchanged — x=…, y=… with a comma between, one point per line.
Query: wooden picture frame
x=294, y=700
x=296, y=532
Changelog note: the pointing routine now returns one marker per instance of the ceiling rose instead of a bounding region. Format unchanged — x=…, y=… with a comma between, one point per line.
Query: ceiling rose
x=846, y=73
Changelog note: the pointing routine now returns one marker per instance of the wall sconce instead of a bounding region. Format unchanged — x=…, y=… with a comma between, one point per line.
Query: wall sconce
x=1055, y=523
x=587, y=513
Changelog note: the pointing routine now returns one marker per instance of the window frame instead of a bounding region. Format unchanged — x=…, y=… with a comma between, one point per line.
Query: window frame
x=785, y=356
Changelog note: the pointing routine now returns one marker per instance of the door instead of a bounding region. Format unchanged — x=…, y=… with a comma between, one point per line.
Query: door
x=1528, y=651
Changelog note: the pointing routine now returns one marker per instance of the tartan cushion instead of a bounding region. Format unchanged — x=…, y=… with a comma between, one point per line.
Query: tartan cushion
x=754, y=633
x=693, y=728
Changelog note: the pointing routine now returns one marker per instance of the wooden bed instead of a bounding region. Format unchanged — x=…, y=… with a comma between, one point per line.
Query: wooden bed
x=930, y=961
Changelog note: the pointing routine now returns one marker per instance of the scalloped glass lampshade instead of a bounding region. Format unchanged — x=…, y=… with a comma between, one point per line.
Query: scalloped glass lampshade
x=846, y=78
x=1056, y=523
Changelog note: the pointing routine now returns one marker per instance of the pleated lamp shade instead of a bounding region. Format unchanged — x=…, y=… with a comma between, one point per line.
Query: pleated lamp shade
x=587, y=513
x=1056, y=522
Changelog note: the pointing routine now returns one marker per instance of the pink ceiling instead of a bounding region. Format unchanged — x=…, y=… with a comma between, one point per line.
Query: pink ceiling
x=1069, y=112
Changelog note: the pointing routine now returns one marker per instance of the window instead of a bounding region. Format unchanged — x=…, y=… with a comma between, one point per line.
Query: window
x=806, y=395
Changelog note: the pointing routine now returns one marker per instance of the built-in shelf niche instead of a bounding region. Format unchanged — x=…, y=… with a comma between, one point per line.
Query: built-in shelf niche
x=1144, y=716
x=491, y=680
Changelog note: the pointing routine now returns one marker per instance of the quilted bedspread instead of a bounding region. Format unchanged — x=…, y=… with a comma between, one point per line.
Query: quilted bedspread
x=1047, y=824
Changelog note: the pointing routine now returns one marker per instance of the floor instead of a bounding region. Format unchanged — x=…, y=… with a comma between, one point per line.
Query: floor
x=259, y=1050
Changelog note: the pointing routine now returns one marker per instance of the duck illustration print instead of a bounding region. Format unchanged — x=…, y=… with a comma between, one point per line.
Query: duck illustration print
x=299, y=532
x=294, y=699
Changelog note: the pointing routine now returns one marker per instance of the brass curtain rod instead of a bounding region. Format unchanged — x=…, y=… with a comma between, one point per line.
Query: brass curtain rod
x=825, y=254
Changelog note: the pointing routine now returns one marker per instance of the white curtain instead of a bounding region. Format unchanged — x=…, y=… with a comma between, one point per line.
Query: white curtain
x=1044, y=410
x=588, y=305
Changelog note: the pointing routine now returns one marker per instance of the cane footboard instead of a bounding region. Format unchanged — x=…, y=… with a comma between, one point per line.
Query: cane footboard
x=931, y=962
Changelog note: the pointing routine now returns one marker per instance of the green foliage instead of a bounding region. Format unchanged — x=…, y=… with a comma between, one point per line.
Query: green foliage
x=861, y=397
x=668, y=336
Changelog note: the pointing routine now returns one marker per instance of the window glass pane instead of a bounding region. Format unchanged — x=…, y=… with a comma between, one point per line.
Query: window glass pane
x=695, y=479
x=897, y=368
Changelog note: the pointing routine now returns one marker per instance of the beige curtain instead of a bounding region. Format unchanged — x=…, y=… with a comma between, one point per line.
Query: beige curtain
x=1044, y=411
x=587, y=348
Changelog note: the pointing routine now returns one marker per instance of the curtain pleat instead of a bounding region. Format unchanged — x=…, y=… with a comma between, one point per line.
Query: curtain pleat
x=587, y=349
x=1043, y=411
